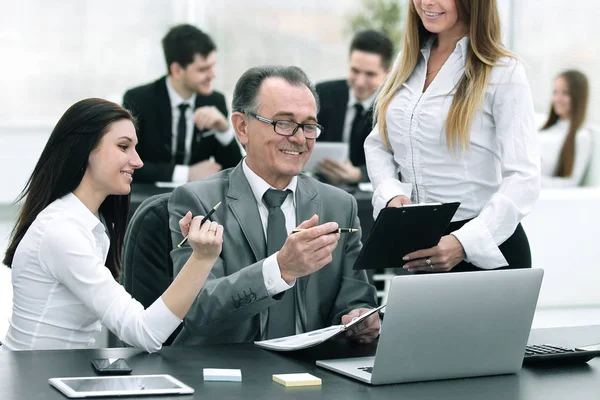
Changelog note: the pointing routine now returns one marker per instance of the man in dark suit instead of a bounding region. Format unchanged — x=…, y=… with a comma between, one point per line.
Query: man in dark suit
x=182, y=121
x=269, y=282
x=347, y=105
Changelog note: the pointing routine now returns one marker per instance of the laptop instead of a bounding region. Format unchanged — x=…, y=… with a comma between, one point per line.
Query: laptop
x=453, y=325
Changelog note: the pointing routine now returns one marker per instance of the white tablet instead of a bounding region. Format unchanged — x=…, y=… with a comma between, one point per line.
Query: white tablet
x=129, y=385
x=322, y=150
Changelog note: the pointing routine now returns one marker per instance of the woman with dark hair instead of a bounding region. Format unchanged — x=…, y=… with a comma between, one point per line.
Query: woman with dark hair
x=565, y=142
x=65, y=249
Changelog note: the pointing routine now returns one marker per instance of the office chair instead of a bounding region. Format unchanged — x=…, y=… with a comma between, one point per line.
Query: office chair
x=147, y=266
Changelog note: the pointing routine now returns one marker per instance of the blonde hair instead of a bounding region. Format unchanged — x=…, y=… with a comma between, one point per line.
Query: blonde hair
x=483, y=23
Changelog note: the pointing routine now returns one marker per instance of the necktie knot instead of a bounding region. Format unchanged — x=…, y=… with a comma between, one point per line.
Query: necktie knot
x=275, y=198
x=359, y=109
x=183, y=107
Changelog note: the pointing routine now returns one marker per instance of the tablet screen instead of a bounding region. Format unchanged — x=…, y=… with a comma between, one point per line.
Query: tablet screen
x=120, y=385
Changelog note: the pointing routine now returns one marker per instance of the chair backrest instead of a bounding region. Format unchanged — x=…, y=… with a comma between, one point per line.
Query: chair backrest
x=147, y=266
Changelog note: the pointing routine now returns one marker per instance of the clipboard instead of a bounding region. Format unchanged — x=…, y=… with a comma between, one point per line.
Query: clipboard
x=402, y=230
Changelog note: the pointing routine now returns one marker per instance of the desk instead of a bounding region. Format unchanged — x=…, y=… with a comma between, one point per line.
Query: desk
x=24, y=375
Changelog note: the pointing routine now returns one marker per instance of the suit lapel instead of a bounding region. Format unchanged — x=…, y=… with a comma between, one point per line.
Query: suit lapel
x=307, y=205
x=339, y=112
x=164, y=111
x=246, y=212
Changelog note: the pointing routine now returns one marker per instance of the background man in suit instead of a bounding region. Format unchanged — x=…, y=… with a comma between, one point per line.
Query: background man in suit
x=347, y=104
x=283, y=285
x=182, y=122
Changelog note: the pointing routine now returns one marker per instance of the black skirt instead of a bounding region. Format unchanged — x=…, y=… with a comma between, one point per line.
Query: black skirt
x=515, y=250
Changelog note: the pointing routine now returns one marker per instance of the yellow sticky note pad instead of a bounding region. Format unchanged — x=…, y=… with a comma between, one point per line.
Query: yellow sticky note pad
x=290, y=380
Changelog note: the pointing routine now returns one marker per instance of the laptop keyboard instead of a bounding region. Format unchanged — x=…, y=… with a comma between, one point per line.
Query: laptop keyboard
x=368, y=370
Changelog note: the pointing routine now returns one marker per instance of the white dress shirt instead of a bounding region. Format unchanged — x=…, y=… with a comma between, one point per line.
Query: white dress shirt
x=271, y=272
x=181, y=172
x=351, y=112
x=497, y=180
x=551, y=143
x=62, y=291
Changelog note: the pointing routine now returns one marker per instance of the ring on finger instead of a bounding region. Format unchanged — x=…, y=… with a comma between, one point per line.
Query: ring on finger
x=428, y=262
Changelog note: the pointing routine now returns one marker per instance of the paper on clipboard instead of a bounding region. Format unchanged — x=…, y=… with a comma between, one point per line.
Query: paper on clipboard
x=312, y=338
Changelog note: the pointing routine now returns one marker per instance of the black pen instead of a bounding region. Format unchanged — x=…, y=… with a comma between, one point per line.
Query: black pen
x=339, y=230
x=206, y=217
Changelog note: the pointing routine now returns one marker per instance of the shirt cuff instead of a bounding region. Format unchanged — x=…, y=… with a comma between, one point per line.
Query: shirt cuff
x=225, y=137
x=272, y=276
x=161, y=320
x=181, y=174
x=386, y=191
x=480, y=247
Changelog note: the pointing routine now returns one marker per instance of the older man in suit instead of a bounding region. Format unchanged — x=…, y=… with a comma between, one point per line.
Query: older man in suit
x=347, y=104
x=183, y=131
x=268, y=281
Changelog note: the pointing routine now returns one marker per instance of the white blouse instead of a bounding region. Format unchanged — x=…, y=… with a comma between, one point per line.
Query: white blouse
x=551, y=143
x=62, y=292
x=497, y=180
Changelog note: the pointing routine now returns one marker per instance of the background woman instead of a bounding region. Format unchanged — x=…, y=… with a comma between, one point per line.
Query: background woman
x=566, y=145
x=65, y=250
x=455, y=122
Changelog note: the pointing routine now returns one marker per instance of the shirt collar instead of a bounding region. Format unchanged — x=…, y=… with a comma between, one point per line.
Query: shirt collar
x=366, y=103
x=77, y=208
x=176, y=99
x=259, y=186
x=462, y=46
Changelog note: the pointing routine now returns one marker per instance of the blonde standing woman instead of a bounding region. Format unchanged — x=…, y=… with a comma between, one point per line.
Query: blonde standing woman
x=455, y=122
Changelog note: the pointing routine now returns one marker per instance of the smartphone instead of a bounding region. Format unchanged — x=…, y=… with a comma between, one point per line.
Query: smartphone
x=111, y=366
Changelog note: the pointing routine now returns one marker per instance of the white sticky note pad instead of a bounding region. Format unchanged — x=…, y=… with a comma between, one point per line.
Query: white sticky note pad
x=222, y=375
x=290, y=380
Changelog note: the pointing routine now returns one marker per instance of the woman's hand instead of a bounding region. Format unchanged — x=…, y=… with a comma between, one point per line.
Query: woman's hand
x=398, y=201
x=441, y=258
x=206, y=240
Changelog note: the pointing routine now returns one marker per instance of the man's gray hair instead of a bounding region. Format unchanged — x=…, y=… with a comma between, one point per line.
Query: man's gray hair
x=245, y=94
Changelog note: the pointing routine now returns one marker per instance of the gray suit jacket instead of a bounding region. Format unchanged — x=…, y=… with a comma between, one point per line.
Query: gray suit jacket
x=232, y=307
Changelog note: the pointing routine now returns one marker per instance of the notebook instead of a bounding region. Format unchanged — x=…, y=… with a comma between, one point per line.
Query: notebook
x=402, y=230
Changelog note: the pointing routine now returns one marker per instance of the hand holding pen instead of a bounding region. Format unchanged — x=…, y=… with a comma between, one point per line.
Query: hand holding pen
x=206, y=217
x=206, y=239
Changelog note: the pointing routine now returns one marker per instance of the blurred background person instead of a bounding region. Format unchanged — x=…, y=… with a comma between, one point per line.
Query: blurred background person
x=183, y=129
x=565, y=142
x=456, y=123
x=346, y=111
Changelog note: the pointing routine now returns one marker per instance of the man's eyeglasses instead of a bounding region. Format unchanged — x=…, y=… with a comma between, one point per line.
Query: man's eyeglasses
x=289, y=128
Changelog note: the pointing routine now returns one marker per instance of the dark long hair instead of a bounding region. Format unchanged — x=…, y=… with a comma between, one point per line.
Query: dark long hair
x=61, y=167
x=578, y=91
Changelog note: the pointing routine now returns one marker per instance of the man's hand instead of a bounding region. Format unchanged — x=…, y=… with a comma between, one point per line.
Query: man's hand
x=364, y=331
x=336, y=172
x=203, y=169
x=398, y=201
x=209, y=117
x=308, y=251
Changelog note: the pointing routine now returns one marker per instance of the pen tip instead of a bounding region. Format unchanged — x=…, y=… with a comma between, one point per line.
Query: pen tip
x=217, y=206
